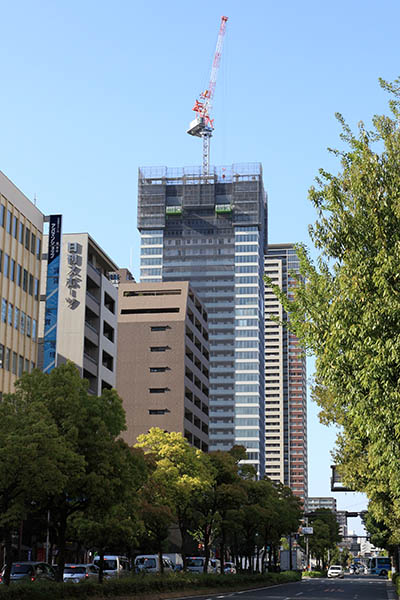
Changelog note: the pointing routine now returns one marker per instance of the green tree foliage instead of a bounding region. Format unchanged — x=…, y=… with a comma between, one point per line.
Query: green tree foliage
x=181, y=472
x=347, y=311
x=87, y=427
x=325, y=535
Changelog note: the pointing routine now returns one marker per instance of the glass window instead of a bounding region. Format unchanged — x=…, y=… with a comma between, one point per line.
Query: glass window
x=10, y=314
x=33, y=243
x=22, y=329
x=15, y=227
x=14, y=362
x=1, y=355
x=12, y=270
x=20, y=365
x=19, y=275
x=28, y=325
x=16, y=318
x=36, y=289
x=34, y=329
x=7, y=359
x=25, y=281
x=38, y=247
x=30, y=285
x=27, y=238
x=21, y=233
x=6, y=264
x=2, y=212
x=26, y=365
x=9, y=221
x=3, y=310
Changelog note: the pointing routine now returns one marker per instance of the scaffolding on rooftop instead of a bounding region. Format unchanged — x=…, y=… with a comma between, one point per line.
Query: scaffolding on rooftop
x=193, y=175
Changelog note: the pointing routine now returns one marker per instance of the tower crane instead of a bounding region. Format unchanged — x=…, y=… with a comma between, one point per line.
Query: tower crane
x=203, y=125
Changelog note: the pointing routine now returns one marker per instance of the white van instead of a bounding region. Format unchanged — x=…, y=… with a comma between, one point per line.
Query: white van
x=195, y=564
x=114, y=566
x=150, y=563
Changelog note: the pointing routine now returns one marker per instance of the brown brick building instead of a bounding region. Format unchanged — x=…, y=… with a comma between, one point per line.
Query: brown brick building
x=163, y=360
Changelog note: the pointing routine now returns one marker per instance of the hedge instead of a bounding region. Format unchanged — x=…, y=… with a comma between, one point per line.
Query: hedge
x=142, y=584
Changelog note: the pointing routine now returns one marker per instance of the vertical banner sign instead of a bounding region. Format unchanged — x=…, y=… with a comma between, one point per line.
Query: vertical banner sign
x=53, y=279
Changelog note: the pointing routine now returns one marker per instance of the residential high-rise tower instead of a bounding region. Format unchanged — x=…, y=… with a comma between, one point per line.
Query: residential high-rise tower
x=212, y=231
x=285, y=381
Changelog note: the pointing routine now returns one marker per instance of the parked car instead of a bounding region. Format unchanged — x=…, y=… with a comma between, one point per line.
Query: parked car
x=195, y=564
x=229, y=568
x=150, y=563
x=29, y=570
x=335, y=571
x=114, y=565
x=75, y=573
x=216, y=565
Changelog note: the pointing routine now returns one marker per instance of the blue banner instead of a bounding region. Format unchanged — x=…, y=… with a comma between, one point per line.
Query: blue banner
x=52, y=285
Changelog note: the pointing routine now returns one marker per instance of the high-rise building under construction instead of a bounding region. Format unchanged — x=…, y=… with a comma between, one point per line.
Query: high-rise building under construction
x=211, y=229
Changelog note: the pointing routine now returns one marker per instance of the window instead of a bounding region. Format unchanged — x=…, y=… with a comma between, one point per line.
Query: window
x=21, y=233
x=25, y=281
x=8, y=227
x=158, y=369
x=148, y=311
x=7, y=360
x=22, y=328
x=159, y=348
x=20, y=365
x=161, y=390
x=109, y=303
x=33, y=243
x=159, y=327
x=4, y=310
x=19, y=275
x=28, y=325
x=10, y=314
x=159, y=411
x=108, y=331
x=12, y=270
x=31, y=285
x=38, y=247
x=2, y=212
x=27, y=238
x=36, y=289
x=6, y=265
x=108, y=361
x=16, y=318
x=34, y=329
x=14, y=362
x=1, y=355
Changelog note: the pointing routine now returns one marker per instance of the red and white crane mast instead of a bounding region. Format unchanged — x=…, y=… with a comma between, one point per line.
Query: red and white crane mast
x=203, y=125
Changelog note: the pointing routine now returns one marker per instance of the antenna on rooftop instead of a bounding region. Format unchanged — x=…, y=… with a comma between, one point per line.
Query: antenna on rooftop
x=203, y=125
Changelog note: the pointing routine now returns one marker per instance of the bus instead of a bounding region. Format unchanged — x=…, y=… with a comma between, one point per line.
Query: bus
x=379, y=565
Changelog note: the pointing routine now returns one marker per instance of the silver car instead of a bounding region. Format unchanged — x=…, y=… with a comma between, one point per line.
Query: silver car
x=75, y=573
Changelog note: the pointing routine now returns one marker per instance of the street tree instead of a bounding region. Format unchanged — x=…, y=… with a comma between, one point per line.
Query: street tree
x=34, y=459
x=88, y=426
x=346, y=309
x=180, y=473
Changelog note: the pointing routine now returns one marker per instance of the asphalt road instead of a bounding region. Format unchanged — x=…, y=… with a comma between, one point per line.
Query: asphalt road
x=352, y=587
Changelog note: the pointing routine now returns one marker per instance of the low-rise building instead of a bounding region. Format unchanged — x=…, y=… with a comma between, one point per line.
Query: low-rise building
x=87, y=310
x=21, y=229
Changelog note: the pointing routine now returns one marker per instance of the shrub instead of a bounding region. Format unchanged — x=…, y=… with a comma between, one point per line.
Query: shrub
x=142, y=585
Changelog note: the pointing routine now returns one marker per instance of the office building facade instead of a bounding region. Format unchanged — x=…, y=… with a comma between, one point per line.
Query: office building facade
x=212, y=231
x=21, y=230
x=87, y=310
x=163, y=360
x=285, y=381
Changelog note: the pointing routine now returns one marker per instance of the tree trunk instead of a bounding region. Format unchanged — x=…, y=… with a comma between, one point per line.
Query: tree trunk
x=9, y=556
x=62, y=529
x=160, y=558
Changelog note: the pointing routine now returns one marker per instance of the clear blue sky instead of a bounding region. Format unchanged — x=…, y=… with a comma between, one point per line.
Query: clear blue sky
x=91, y=90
